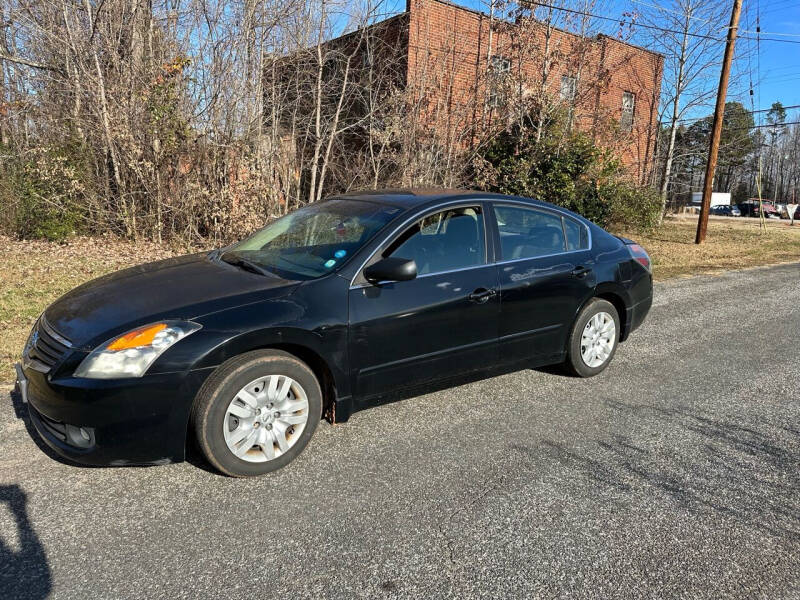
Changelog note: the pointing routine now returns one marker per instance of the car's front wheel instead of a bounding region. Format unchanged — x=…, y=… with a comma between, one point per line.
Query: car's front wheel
x=257, y=412
x=594, y=338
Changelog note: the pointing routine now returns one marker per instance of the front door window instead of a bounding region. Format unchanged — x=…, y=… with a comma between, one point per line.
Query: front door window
x=445, y=241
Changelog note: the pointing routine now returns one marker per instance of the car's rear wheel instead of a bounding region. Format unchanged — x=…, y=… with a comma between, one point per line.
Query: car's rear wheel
x=257, y=412
x=594, y=338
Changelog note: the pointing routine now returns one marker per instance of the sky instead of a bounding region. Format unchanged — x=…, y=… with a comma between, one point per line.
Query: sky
x=773, y=65
x=780, y=61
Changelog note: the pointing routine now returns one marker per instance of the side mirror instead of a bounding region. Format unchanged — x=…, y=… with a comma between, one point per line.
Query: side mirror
x=391, y=269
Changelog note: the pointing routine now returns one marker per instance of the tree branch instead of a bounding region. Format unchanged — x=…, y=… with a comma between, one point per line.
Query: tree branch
x=29, y=63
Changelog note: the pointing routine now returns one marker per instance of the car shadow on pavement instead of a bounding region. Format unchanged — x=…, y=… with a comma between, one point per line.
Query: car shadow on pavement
x=556, y=370
x=194, y=456
x=749, y=472
x=24, y=572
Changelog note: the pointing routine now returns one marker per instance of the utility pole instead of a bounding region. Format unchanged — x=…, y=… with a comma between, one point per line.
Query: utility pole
x=716, y=128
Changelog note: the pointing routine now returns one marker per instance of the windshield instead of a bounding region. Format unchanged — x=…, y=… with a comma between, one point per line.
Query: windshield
x=312, y=241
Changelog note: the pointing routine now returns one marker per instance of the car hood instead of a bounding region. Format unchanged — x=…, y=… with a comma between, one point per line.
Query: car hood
x=185, y=287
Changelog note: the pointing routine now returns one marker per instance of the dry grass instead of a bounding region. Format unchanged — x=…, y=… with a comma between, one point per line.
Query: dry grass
x=730, y=244
x=34, y=274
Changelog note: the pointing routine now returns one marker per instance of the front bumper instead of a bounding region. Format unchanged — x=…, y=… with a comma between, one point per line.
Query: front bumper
x=113, y=422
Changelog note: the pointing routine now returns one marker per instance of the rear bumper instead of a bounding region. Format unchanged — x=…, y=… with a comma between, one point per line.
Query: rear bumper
x=113, y=422
x=636, y=315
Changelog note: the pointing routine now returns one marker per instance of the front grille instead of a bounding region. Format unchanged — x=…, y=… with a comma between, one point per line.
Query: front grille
x=45, y=347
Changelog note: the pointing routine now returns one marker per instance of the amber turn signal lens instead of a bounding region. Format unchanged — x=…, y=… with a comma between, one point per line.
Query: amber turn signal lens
x=137, y=337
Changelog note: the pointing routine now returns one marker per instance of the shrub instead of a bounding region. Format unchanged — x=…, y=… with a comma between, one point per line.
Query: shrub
x=630, y=206
x=567, y=169
x=36, y=217
x=43, y=192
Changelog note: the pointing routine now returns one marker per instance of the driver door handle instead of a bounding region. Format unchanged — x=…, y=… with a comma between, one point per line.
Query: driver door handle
x=481, y=295
x=581, y=271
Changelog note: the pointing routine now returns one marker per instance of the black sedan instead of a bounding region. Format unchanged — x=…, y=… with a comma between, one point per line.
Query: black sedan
x=330, y=309
x=726, y=210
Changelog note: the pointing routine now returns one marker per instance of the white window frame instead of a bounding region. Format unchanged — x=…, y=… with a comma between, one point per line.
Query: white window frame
x=569, y=88
x=499, y=70
x=628, y=111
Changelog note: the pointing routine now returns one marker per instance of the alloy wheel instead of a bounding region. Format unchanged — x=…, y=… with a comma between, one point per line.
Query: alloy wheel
x=266, y=418
x=598, y=339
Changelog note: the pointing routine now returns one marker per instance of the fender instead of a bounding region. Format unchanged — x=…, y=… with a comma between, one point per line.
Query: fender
x=320, y=346
x=290, y=322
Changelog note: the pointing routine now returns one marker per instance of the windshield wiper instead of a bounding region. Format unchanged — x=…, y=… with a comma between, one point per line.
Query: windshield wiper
x=243, y=263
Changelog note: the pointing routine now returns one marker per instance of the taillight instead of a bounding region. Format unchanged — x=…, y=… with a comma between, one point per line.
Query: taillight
x=639, y=255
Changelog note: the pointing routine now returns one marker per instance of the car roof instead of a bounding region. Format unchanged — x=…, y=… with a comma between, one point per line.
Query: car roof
x=412, y=198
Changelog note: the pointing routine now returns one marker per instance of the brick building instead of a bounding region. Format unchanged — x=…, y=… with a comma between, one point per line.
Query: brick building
x=469, y=76
x=608, y=87
x=464, y=74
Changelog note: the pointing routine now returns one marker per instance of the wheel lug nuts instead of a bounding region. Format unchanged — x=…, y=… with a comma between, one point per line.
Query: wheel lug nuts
x=269, y=426
x=277, y=414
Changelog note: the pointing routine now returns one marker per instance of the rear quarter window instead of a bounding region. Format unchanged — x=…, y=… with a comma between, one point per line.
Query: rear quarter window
x=577, y=235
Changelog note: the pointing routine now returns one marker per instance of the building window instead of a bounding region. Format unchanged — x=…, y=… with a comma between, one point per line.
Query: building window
x=569, y=91
x=569, y=88
x=367, y=57
x=499, y=70
x=628, y=109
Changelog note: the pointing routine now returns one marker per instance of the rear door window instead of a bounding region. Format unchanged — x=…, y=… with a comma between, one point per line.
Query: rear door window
x=528, y=233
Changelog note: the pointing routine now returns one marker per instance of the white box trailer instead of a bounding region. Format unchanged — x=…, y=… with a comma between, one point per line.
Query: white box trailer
x=717, y=198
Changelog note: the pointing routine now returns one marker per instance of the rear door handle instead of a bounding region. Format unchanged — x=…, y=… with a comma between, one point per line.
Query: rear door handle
x=481, y=295
x=581, y=272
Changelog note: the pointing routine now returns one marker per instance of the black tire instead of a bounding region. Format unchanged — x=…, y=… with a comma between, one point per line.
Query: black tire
x=211, y=405
x=574, y=362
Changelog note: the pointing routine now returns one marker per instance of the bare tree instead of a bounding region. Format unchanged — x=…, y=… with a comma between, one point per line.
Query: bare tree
x=687, y=33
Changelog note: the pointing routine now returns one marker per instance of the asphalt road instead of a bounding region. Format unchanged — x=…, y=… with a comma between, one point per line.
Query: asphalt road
x=675, y=474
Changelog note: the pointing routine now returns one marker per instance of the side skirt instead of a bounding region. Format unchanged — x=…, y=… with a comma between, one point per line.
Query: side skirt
x=344, y=407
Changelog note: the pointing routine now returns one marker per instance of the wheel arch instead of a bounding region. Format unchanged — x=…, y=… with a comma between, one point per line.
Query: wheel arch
x=319, y=366
x=305, y=345
x=619, y=297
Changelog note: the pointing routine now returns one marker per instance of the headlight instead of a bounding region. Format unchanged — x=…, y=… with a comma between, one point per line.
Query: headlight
x=132, y=353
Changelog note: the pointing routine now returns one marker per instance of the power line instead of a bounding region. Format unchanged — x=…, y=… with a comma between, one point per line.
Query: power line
x=781, y=68
x=766, y=39
x=779, y=6
x=655, y=27
x=758, y=57
x=749, y=127
x=622, y=22
x=785, y=124
x=797, y=35
x=709, y=21
x=674, y=12
x=752, y=112
x=782, y=78
x=749, y=18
